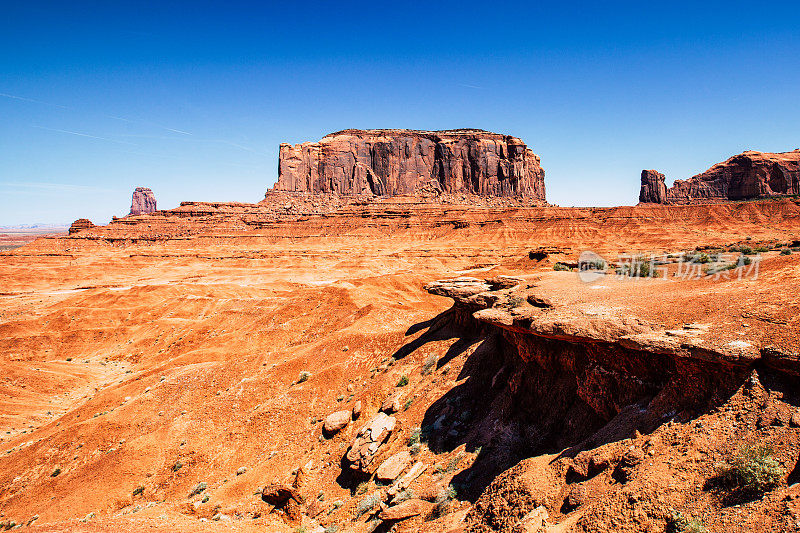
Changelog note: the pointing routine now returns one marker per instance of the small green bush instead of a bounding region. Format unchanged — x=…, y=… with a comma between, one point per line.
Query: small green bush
x=638, y=268
x=443, y=502
x=678, y=523
x=138, y=490
x=751, y=472
x=56, y=472
x=786, y=251
x=429, y=365
x=561, y=267
x=408, y=404
x=761, y=249
x=304, y=375
x=403, y=381
x=415, y=436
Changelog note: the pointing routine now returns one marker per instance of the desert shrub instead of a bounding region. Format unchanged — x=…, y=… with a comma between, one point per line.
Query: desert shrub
x=751, y=472
x=515, y=301
x=744, y=249
x=304, y=375
x=408, y=404
x=362, y=487
x=761, y=249
x=678, y=523
x=786, y=251
x=333, y=528
x=414, y=449
x=429, y=365
x=366, y=505
x=403, y=381
x=443, y=502
x=403, y=495
x=301, y=529
x=561, y=267
x=177, y=466
x=56, y=472
x=138, y=490
x=638, y=268
x=415, y=436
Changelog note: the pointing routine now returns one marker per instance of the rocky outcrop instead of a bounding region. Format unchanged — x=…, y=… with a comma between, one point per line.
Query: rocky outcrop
x=653, y=190
x=79, y=225
x=410, y=162
x=371, y=437
x=742, y=177
x=143, y=202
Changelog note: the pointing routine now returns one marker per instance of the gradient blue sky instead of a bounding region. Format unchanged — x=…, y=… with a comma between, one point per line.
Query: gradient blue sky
x=192, y=99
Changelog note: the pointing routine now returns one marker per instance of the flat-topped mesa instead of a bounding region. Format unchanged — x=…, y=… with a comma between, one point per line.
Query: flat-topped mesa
x=142, y=202
x=392, y=162
x=742, y=177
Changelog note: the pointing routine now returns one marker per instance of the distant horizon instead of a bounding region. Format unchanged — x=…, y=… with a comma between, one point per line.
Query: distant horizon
x=193, y=100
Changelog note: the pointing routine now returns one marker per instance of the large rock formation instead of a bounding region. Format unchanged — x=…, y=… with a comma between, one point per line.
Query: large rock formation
x=407, y=162
x=653, y=190
x=742, y=177
x=143, y=202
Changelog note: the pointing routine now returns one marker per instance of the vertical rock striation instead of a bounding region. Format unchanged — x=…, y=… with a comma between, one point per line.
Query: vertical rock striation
x=143, y=202
x=653, y=190
x=408, y=162
x=742, y=177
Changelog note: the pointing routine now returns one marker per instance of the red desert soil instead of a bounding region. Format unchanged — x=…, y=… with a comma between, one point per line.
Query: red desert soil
x=163, y=351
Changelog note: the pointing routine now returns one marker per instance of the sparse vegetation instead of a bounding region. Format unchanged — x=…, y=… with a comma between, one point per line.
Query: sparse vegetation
x=561, y=267
x=304, y=376
x=56, y=472
x=641, y=267
x=753, y=471
x=678, y=523
x=515, y=301
x=138, y=490
x=786, y=251
x=403, y=381
x=408, y=404
x=443, y=502
x=333, y=528
x=362, y=487
x=366, y=505
x=429, y=365
x=177, y=466
x=414, y=437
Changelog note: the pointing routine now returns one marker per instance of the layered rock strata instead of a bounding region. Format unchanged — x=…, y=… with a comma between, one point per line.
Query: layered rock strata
x=409, y=162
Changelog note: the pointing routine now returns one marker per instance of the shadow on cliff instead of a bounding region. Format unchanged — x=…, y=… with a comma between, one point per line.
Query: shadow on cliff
x=520, y=396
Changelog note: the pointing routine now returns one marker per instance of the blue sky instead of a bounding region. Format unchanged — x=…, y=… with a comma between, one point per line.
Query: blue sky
x=193, y=99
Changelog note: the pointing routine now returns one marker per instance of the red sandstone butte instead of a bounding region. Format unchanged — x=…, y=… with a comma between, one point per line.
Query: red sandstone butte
x=408, y=162
x=745, y=176
x=143, y=202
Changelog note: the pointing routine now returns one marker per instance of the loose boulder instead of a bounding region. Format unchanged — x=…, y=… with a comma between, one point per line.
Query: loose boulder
x=392, y=467
x=335, y=422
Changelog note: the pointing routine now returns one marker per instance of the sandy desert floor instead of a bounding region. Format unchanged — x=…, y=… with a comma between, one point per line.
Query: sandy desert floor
x=162, y=351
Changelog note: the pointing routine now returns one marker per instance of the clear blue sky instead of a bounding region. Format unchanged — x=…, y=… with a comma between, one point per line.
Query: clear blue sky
x=193, y=99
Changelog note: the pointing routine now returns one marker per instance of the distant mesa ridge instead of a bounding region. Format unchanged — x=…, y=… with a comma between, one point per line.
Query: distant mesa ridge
x=745, y=176
x=393, y=162
x=143, y=202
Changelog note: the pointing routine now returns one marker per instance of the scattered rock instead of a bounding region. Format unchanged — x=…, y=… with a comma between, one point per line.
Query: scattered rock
x=535, y=521
x=407, y=478
x=391, y=405
x=392, y=467
x=365, y=447
x=576, y=497
x=627, y=465
x=407, y=509
x=200, y=487
x=794, y=421
x=357, y=410
x=241, y=470
x=336, y=422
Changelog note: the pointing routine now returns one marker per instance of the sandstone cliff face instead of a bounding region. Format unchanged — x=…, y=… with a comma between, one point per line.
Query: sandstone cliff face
x=143, y=202
x=744, y=176
x=653, y=190
x=408, y=162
